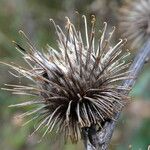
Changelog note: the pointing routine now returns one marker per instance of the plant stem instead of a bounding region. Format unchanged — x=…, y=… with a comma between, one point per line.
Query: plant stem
x=99, y=140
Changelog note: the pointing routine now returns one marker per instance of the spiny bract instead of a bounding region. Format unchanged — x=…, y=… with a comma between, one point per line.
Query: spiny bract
x=135, y=21
x=77, y=85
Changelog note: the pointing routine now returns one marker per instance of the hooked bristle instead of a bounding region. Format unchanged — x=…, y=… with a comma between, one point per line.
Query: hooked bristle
x=135, y=21
x=76, y=86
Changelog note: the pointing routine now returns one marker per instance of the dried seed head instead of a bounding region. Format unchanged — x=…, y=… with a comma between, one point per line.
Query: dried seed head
x=135, y=21
x=77, y=85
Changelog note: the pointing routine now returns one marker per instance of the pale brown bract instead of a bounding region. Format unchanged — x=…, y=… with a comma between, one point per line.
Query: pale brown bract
x=77, y=85
x=135, y=21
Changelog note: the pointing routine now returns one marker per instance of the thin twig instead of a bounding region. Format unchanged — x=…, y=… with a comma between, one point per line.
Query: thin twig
x=99, y=140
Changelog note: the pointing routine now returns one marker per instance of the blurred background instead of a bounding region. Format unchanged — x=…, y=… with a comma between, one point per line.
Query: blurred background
x=32, y=16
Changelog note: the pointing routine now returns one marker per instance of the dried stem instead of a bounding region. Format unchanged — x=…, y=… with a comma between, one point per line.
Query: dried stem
x=99, y=140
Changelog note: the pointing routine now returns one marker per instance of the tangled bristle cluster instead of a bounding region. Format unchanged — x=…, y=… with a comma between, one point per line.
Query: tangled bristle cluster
x=77, y=85
x=135, y=21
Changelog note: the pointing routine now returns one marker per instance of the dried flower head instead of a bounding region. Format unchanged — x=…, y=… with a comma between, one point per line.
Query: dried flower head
x=135, y=21
x=77, y=85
